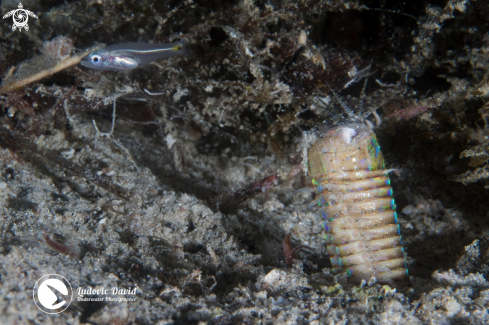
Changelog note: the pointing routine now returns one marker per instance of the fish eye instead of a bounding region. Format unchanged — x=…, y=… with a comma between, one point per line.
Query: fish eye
x=96, y=59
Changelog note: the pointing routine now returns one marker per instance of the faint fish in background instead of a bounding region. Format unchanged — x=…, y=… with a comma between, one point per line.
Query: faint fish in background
x=127, y=56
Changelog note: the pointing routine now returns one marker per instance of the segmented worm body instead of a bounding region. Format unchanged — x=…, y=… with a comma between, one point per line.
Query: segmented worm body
x=356, y=204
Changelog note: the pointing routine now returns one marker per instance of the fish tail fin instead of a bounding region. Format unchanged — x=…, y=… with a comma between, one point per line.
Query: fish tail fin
x=191, y=49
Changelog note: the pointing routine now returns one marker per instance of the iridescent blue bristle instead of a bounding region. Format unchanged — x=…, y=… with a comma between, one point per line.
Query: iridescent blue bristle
x=324, y=214
x=325, y=226
x=336, y=261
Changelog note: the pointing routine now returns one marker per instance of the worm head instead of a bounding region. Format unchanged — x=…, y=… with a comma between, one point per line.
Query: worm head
x=344, y=136
x=347, y=147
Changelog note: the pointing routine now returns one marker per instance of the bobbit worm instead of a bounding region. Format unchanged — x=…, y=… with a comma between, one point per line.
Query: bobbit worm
x=356, y=205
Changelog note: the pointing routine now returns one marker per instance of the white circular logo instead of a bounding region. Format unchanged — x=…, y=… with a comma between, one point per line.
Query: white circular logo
x=52, y=294
x=20, y=17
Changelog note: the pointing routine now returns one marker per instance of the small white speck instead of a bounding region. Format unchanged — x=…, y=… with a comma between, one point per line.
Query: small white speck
x=180, y=93
x=170, y=140
x=347, y=134
x=67, y=153
x=408, y=209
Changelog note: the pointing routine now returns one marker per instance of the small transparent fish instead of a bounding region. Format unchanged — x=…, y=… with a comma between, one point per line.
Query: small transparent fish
x=127, y=56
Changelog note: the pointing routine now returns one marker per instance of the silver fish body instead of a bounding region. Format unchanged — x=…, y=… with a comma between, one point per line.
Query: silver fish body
x=127, y=56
